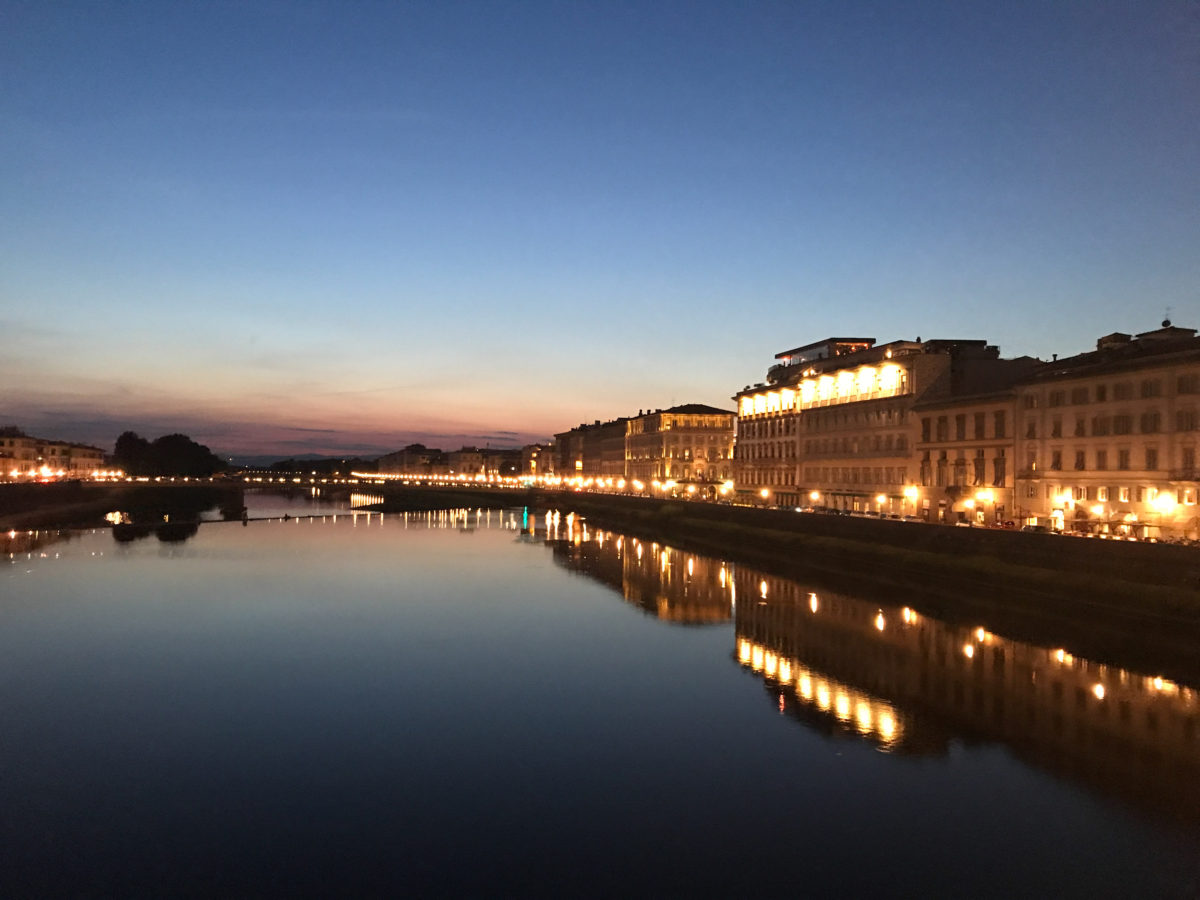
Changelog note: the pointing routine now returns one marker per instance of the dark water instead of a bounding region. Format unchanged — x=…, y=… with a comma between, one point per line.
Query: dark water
x=449, y=704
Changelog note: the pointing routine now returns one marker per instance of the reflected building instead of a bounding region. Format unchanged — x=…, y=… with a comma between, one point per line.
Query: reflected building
x=905, y=681
x=665, y=582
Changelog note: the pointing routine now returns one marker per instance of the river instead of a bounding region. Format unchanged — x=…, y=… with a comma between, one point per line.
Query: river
x=475, y=702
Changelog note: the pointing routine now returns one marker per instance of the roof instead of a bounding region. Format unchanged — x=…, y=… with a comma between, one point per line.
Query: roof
x=1152, y=348
x=698, y=409
x=824, y=343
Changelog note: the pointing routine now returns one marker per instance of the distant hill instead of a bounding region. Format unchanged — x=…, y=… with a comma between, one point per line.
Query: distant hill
x=264, y=462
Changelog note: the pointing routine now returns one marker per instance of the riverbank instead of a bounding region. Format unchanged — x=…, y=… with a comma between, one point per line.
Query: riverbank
x=76, y=504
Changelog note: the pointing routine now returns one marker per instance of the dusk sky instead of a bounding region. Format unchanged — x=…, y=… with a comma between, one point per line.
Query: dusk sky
x=289, y=227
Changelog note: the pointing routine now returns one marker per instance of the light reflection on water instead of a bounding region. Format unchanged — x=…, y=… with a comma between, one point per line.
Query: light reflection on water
x=348, y=700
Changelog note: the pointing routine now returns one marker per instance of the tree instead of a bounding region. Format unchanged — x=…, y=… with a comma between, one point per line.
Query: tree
x=171, y=454
x=132, y=453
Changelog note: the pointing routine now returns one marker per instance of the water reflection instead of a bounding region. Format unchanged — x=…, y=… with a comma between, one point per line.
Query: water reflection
x=910, y=683
x=858, y=669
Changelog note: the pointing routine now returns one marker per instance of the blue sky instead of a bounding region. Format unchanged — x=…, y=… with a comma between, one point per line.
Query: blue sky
x=337, y=227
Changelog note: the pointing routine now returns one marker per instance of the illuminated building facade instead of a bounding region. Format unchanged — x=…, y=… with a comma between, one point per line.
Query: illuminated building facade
x=766, y=457
x=835, y=427
x=1107, y=440
x=23, y=457
x=689, y=443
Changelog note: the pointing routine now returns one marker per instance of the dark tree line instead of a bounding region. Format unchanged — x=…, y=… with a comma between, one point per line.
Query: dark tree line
x=171, y=454
x=325, y=466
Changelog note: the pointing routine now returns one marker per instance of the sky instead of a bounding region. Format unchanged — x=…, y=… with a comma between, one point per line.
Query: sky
x=308, y=227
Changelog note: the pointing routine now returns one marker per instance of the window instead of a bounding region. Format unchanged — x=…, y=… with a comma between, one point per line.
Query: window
x=1152, y=387
x=1151, y=459
x=960, y=427
x=1150, y=422
x=1101, y=425
x=1031, y=430
x=1056, y=427
x=926, y=429
x=1185, y=420
x=1187, y=458
x=980, y=472
x=1057, y=398
x=980, y=425
x=998, y=470
x=1079, y=395
x=1029, y=401
x=1123, y=459
x=943, y=429
x=1056, y=460
x=1102, y=493
x=1122, y=424
x=1080, y=460
x=1080, y=426
x=1123, y=494
x=998, y=424
x=1123, y=390
x=1188, y=383
x=1101, y=393
x=1101, y=460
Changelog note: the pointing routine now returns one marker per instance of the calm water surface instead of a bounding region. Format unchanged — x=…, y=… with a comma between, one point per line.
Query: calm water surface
x=487, y=703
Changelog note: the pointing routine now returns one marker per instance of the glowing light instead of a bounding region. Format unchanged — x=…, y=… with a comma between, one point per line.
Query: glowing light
x=764, y=493
x=813, y=603
x=910, y=617
x=770, y=664
x=823, y=695
x=1165, y=503
x=785, y=671
x=804, y=687
x=985, y=496
x=863, y=714
x=814, y=496
x=1098, y=690
x=881, y=499
x=744, y=651
x=969, y=650
x=980, y=635
x=880, y=622
x=887, y=726
x=756, y=658
x=841, y=706
x=762, y=589
x=911, y=492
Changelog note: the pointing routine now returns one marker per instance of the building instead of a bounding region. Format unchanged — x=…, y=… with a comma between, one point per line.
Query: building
x=691, y=444
x=1106, y=440
x=834, y=424
x=23, y=457
x=592, y=451
x=415, y=459
x=965, y=446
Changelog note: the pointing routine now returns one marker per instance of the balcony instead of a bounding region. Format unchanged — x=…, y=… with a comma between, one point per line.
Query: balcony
x=1189, y=474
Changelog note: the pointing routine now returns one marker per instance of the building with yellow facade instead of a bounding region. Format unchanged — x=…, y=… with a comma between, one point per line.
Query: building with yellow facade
x=689, y=444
